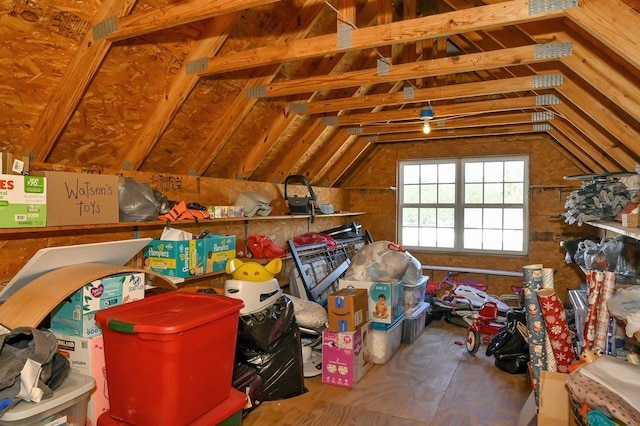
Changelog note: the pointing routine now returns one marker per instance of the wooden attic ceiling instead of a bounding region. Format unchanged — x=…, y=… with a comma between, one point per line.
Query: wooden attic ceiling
x=261, y=89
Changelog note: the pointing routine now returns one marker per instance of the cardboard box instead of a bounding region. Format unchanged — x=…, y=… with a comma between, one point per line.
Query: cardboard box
x=554, y=400
x=76, y=317
x=81, y=198
x=11, y=164
x=385, y=298
x=221, y=212
x=175, y=258
x=23, y=201
x=217, y=250
x=345, y=356
x=630, y=220
x=348, y=309
x=86, y=356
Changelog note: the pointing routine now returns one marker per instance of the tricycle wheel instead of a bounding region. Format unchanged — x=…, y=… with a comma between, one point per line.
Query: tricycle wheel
x=473, y=341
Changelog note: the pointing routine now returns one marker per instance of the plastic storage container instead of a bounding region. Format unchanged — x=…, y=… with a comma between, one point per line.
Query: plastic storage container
x=384, y=340
x=227, y=413
x=67, y=406
x=169, y=358
x=413, y=294
x=414, y=323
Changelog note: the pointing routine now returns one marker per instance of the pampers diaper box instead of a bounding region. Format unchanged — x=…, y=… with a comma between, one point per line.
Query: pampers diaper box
x=217, y=250
x=345, y=356
x=76, y=316
x=182, y=258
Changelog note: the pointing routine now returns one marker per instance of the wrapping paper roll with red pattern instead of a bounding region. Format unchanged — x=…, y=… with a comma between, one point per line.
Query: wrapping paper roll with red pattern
x=602, y=321
x=595, y=280
x=557, y=328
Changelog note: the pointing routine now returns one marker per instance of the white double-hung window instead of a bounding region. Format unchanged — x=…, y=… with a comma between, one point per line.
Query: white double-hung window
x=464, y=204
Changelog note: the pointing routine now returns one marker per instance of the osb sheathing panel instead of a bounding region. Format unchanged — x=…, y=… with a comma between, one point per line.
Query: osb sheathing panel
x=37, y=41
x=547, y=167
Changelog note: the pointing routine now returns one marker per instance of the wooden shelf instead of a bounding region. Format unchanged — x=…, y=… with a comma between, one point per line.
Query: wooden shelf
x=158, y=223
x=617, y=228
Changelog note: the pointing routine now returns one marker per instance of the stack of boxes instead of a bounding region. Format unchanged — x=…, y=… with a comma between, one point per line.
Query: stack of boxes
x=345, y=351
x=385, y=300
x=189, y=258
x=80, y=338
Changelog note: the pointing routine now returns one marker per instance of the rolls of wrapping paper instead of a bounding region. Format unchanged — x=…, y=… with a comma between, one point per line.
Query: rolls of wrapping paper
x=535, y=324
x=557, y=329
x=595, y=280
x=547, y=283
x=602, y=320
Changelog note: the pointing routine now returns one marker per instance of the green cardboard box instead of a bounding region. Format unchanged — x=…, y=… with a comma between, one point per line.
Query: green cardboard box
x=23, y=201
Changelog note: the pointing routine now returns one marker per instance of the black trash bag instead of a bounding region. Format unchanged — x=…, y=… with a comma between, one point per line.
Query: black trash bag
x=512, y=363
x=508, y=339
x=138, y=201
x=262, y=330
x=269, y=341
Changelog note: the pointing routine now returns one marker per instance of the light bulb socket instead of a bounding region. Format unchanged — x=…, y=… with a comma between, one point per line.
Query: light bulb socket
x=426, y=114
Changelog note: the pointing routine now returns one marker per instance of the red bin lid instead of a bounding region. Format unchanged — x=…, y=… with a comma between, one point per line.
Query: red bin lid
x=168, y=313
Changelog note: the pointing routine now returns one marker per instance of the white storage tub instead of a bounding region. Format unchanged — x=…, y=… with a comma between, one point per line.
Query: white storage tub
x=384, y=340
x=67, y=406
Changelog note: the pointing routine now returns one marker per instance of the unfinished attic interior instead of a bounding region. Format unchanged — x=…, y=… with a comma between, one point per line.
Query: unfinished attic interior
x=204, y=101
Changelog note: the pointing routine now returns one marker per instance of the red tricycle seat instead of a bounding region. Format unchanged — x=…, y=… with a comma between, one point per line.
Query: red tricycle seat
x=488, y=312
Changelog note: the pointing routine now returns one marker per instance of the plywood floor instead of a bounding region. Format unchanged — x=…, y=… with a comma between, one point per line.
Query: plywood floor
x=434, y=381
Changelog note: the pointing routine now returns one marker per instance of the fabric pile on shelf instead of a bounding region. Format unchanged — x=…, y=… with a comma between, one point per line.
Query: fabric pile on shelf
x=596, y=200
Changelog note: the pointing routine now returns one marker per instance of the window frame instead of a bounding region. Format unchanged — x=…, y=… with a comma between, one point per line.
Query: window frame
x=459, y=204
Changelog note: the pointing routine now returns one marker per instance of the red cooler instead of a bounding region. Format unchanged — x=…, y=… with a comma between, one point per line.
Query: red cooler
x=169, y=358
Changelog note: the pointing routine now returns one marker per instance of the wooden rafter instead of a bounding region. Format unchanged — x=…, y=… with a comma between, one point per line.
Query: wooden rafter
x=441, y=25
x=458, y=64
x=175, y=14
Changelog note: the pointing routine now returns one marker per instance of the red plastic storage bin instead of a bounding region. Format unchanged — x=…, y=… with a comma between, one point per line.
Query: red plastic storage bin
x=227, y=413
x=169, y=358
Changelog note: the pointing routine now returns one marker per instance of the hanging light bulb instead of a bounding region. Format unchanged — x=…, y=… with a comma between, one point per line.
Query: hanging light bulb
x=426, y=115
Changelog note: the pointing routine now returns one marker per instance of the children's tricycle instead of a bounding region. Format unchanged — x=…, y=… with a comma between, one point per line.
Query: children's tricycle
x=483, y=327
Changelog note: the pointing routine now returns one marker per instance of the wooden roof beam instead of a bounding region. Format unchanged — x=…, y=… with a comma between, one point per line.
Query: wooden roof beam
x=450, y=91
x=594, y=16
x=457, y=64
x=460, y=133
x=576, y=153
x=459, y=109
x=168, y=16
x=441, y=25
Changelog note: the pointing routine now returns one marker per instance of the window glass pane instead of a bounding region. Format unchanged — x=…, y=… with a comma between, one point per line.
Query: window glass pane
x=428, y=217
x=411, y=174
x=513, y=240
x=514, y=171
x=429, y=194
x=427, y=237
x=410, y=217
x=513, y=219
x=473, y=172
x=492, y=218
x=447, y=173
x=445, y=237
x=429, y=173
x=409, y=236
x=473, y=218
x=492, y=239
x=411, y=194
x=473, y=193
x=472, y=239
x=446, y=217
x=513, y=193
x=447, y=193
x=493, y=171
x=493, y=193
